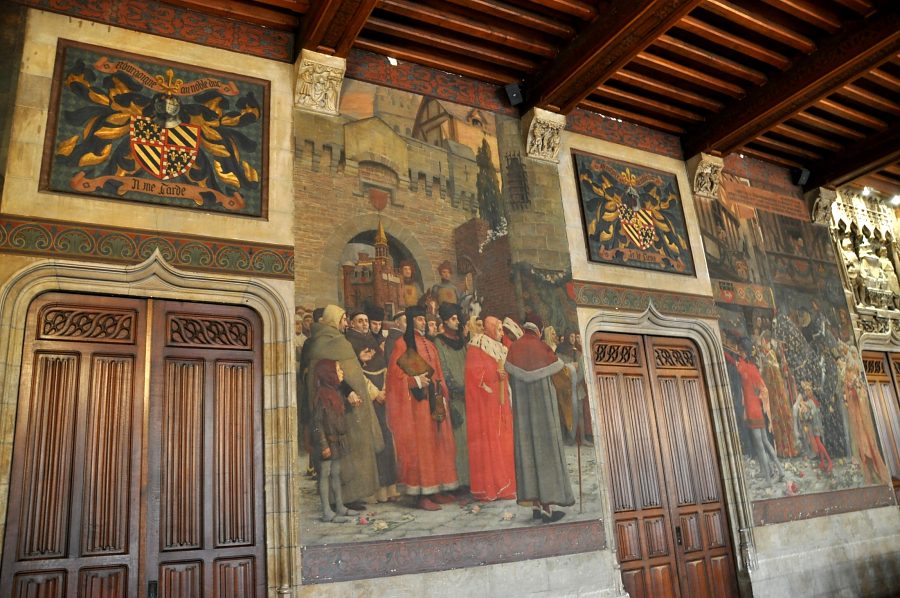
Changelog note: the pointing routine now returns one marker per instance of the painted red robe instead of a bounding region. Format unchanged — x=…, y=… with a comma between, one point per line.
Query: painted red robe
x=492, y=467
x=426, y=451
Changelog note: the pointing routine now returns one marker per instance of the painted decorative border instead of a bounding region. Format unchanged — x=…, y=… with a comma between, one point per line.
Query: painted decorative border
x=408, y=76
x=739, y=293
x=596, y=125
x=809, y=506
x=157, y=18
x=50, y=238
x=364, y=560
x=589, y=294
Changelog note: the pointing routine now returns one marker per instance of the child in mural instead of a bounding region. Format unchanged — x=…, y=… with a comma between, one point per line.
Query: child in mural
x=329, y=431
x=756, y=409
x=808, y=427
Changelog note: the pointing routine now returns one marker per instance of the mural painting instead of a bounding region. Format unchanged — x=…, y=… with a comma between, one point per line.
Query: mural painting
x=439, y=364
x=632, y=215
x=133, y=128
x=799, y=391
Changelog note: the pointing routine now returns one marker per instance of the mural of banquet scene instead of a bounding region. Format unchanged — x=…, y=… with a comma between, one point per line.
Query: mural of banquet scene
x=440, y=372
x=796, y=378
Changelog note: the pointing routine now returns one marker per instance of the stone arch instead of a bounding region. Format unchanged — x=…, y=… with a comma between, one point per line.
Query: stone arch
x=708, y=341
x=155, y=278
x=326, y=291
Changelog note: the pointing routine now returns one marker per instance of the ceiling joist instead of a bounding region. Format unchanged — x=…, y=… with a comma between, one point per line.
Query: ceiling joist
x=868, y=155
x=861, y=47
x=331, y=27
x=601, y=49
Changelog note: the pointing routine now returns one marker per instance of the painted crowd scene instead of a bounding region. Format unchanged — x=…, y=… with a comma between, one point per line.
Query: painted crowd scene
x=440, y=376
x=799, y=389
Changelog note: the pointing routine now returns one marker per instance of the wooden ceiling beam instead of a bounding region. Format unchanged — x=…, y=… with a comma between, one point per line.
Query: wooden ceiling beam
x=464, y=67
x=865, y=156
x=331, y=26
x=688, y=74
x=510, y=36
x=885, y=79
x=447, y=43
x=720, y=63
x=634, y=117
x=726, y=39
x=764, y=24
x=862, y=7
x=654, y=85
x=518, y=16
x=864, y=96
x=847, y=113
x=241, y=11
x=860, y=47
x=791, y=149
x=806, y=137
x=817, y=122
x=602, y=48
x=582, y=10
x=648, y=103
x=769, y=157
x=813, y=13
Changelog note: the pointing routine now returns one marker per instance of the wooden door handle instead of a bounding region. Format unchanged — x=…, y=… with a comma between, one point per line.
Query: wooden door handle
x=678, y=534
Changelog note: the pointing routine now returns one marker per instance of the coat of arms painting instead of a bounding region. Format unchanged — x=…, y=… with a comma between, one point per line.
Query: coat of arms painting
x=132, y=128
x=632, y=215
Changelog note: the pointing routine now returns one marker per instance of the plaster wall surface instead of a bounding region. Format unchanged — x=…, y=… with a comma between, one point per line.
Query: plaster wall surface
x=843, y=556
x=593, y=575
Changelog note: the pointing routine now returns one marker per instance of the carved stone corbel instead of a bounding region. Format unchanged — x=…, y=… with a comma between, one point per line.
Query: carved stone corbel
x=542, y=130
x=319, y=78
x=822, y=200
x=706, y=174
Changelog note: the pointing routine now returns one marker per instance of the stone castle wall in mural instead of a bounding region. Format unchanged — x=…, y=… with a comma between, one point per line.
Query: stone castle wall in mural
x=800, y=394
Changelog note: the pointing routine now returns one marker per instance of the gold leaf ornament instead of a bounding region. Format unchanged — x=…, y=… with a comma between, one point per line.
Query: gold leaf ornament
x=250, y=172
x=226, y=177
x=90, y=159
x=65, y=147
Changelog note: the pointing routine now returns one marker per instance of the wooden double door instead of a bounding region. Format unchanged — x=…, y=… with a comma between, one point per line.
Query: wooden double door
x=137, y=464
x=670, y=517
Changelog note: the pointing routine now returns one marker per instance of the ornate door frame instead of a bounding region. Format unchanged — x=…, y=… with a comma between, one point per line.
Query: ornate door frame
x=706, y=337
x=155, y=278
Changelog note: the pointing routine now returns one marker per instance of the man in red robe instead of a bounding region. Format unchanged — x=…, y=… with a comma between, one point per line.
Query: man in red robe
x=417, y=415
x=492, y=468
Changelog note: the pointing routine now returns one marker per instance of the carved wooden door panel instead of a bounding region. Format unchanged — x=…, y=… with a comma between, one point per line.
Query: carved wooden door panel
x=137, y=474
x=74, y=501
x=205, y=520
x=883, y=378
x=671, y=523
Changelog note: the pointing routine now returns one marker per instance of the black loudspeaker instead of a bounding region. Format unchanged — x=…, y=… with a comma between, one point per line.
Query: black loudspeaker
x=800, y=176
x=514, y=93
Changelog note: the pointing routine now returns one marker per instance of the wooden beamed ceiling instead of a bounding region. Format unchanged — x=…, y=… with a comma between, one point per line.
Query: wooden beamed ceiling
x=807, y=84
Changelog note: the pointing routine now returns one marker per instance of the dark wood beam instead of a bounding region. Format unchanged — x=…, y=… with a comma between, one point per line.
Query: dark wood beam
x=331, y=26
x=603, y=47
x=863, y=157
x=862, y=46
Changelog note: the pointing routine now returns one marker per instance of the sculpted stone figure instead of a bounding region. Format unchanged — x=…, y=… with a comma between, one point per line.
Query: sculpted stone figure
x=851, y=263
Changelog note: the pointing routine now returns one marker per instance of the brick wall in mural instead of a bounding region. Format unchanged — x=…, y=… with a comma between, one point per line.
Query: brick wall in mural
x=796, y=378
x=126, y=127
x=411, y=210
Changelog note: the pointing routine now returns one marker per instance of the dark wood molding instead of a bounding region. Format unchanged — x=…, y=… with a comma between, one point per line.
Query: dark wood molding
x=626, y=28
x=862, y=158
x=840, y=59
x=331, y=27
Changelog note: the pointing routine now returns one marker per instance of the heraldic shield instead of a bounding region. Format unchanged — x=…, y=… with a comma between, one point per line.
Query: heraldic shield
x=164, y=152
